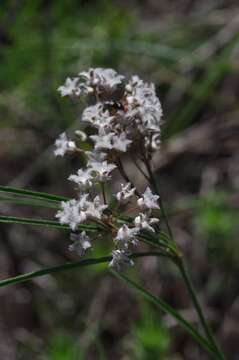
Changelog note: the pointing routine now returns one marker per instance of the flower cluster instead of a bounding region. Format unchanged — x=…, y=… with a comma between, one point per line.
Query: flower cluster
x=122, y=115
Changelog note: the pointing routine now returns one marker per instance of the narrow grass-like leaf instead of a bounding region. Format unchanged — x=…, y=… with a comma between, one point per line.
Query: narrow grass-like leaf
x=51, y=270
x=200, y=92
x=43, y=222
x=32, y=194
x=30, y=202
x=67, y=266
x=169, y=310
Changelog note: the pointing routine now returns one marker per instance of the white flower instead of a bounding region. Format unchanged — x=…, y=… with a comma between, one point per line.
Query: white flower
x=149, y=200
x=95, y=208
x=70, y=87
x=127, y=235
x=83, y=201
x=144, y=107
x=120, y=260
x=83, y=178
x=120, y=142
x=142, y=221
x=103, y=140
x=95, y=155
x=71, y=213
x=63, y=145
x=97, y=116
x=102, y=170
x=92, y=113
x=81, y=242
x=104, y=79
x=126, y=192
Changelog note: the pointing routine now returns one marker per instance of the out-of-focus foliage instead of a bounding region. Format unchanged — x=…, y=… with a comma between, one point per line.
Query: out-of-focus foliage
x=63, y=347
x=148, y=339
x=217, y=223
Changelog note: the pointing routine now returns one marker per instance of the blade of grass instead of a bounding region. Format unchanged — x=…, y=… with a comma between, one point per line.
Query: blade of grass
x=200, y=92
x=86, y=262
x=51, y=270
x=42, y=222
x=32, y=194
x=68, y=266
x=29, y=202
x=169, y=310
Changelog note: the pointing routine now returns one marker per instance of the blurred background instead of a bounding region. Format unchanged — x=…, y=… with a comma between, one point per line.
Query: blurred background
x=190, y=50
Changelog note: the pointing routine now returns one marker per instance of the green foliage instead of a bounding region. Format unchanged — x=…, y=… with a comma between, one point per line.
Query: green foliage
x=218, y=222
x=149, y=338
x=63, y=347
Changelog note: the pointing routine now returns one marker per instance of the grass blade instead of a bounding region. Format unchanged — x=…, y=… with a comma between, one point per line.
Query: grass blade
x=51, y=270
x=169, y=310
x=32, y=194
x=43, y=222
x=68, y=266
x=30, y=202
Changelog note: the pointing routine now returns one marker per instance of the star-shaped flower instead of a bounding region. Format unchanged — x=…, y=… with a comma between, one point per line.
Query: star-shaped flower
x=102, y=170
x=103, y=140
x=120, y=142
x=70, y=87
x=95, y=155
x=143, y=221
x=83, y=178
x=63, y=145
x=126, y=192
x=127, y=235
x=149, y=200
x=81, y=243
x=120, y=260
x=95, y=208
x=71, y=213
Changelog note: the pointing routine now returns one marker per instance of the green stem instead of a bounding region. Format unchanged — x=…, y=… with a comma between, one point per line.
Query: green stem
x=85, y=262
x=198, y=308
x=33, y=194
x=67, y=266
x=169, y=310
x=155, y=188
x=43, y=222
x=183, y=271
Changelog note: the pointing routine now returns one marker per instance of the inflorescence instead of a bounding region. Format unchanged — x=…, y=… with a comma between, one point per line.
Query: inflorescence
x=123, y=116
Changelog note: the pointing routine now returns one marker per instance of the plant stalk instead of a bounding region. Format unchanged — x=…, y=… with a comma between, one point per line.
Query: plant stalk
x=179, y=262
x=198, y=308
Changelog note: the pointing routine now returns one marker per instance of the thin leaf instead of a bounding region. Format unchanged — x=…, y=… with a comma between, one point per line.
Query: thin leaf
x=32, y=194
x=51, y=270
x=68, y=266
x=42, y=222
x=169, y=310
x=29, y=202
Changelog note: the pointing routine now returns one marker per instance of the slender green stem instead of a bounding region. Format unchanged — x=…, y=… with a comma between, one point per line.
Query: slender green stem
x=168, y=309
x=30, y=202
x=198, y=308
x=43, y=222
x=183, y=271
x=155, y=188
x=67, y=266
x=85, y=262
x=33, y=194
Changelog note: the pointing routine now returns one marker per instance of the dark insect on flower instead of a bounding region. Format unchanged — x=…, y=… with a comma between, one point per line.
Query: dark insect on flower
x=113, y=106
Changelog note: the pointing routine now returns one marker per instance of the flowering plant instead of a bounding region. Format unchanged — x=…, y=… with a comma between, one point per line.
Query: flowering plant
x=122, y=117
